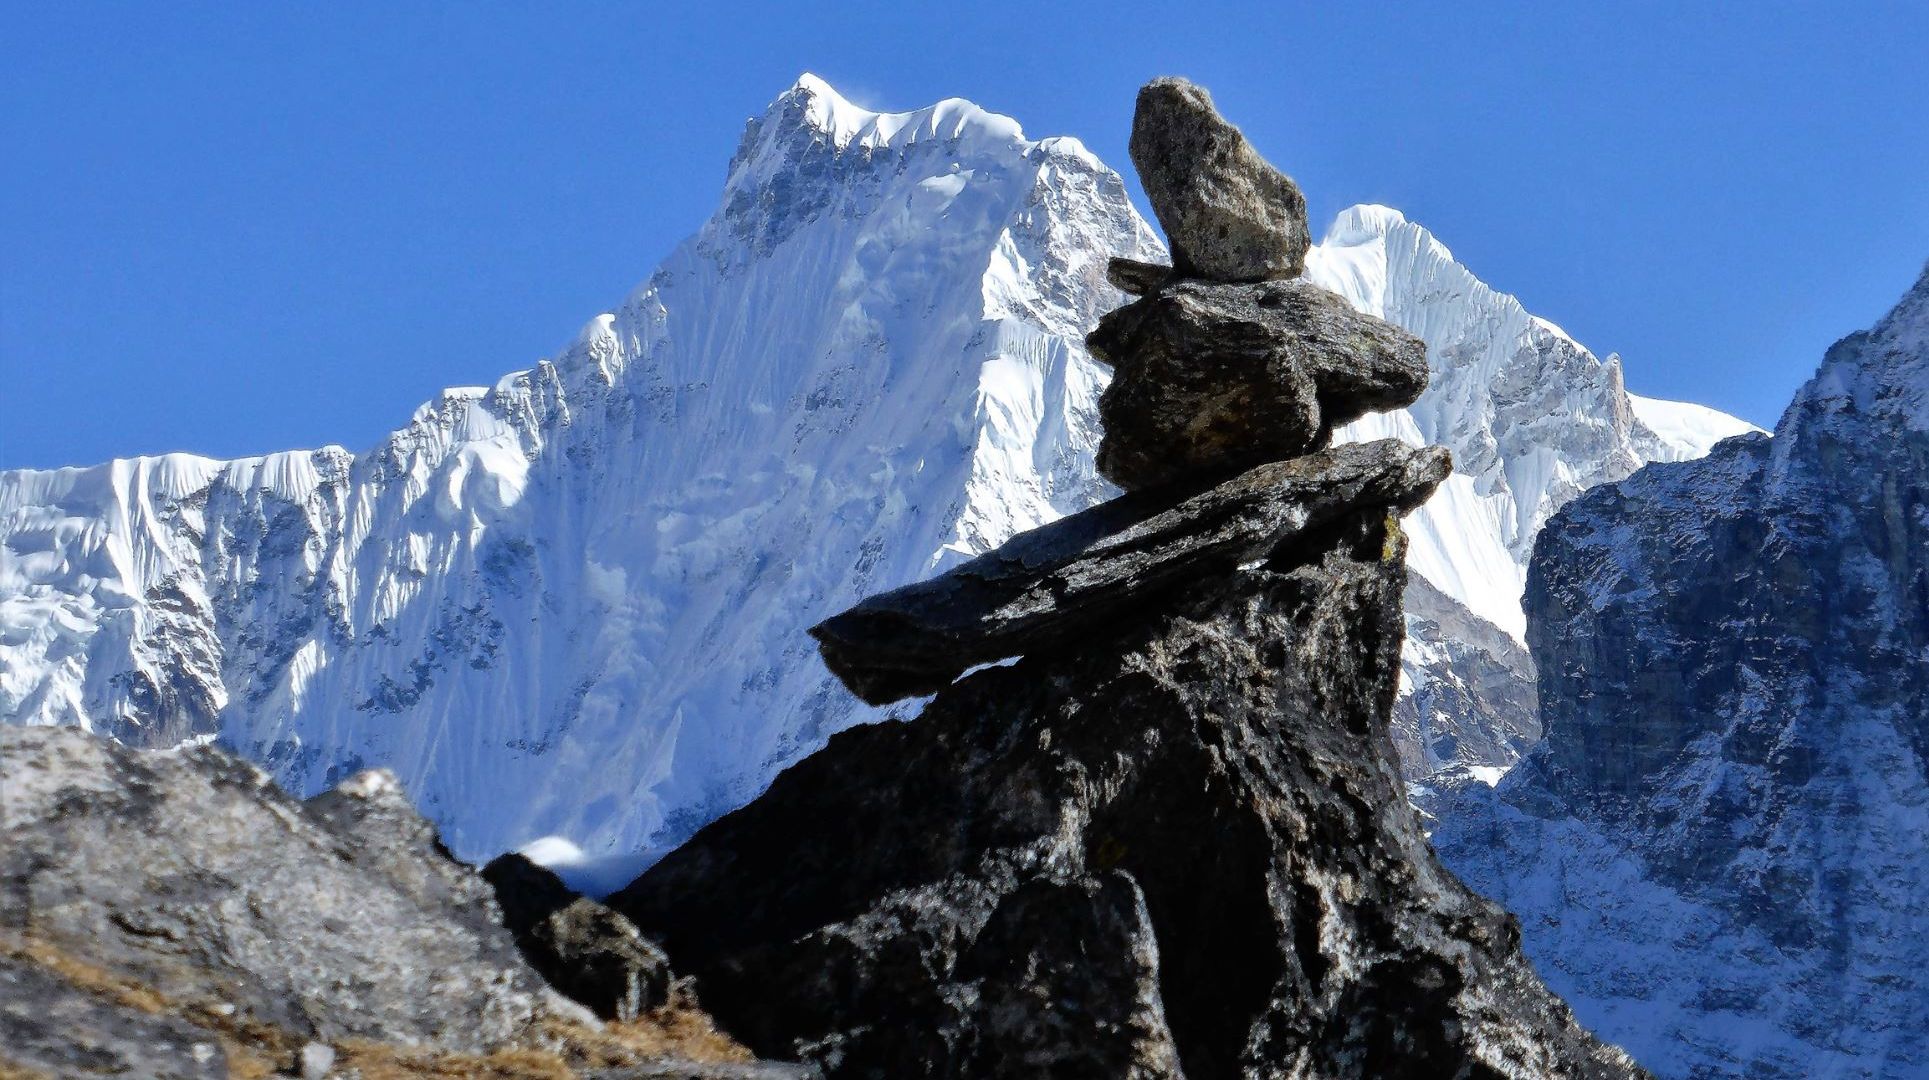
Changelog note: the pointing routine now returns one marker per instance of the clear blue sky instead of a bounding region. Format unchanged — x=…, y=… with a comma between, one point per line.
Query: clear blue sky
x=234, y=229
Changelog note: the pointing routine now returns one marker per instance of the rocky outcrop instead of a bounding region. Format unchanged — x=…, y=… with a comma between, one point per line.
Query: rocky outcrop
x=1167, y=841
x=174, y=914
x=584, y=949
x=1723, y=829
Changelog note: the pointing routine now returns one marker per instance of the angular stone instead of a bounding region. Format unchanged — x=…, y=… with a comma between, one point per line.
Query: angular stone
x=1063, y=583
x=1227, y=214
x=1135, y=277
x=1210, y=378
x=1045, y=1009
x=586, y=951
x=959, y=895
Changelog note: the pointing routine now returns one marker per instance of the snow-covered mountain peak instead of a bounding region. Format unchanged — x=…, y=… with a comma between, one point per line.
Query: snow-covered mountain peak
x=816, y=103
x=573, y=603
x=1533, y=418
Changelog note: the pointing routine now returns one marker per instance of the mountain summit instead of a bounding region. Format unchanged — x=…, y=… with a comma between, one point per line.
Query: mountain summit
x=586, y=585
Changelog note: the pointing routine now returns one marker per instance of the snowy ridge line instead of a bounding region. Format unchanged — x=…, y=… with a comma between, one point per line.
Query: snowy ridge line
x=571, y=604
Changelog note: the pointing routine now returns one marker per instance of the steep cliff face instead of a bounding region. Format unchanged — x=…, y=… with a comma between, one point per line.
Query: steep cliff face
x=1731, y=655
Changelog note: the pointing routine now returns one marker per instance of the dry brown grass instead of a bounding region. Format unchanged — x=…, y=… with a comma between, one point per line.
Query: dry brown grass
x=11, y=1071
x=556, y=1050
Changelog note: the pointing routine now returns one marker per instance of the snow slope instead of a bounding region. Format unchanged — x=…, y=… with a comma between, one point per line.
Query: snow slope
x=571, y=604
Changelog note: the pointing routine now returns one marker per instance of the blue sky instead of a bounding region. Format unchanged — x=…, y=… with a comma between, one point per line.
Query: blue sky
x=235, y=229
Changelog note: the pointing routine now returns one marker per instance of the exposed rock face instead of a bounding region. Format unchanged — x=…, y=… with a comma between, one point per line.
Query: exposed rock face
x=1226, y=760
x=584, y=949
x=176, y=915
x=1061, y=584
x=1170, y=841
x=1724, y=829
x=194, y=872
x=1227, y=214
x=1469, y=700
x=1214, y=376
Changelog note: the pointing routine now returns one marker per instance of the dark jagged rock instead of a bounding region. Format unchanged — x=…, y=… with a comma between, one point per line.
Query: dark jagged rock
x=1064, y=582
x=1731, y=653
x=1226, y=376
x=588, y=952
x=1135, y=277
x=1192, y=813
x=1227, y=214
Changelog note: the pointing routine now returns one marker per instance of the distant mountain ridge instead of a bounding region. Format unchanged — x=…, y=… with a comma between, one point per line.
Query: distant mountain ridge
x=570, y=605
x=1719, y=852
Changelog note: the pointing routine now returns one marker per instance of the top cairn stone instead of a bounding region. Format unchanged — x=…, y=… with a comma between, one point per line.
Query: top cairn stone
x=1228, y=215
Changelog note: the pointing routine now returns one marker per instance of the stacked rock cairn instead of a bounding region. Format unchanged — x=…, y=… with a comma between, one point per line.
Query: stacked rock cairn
x=1170, y=841
x=1230, y=373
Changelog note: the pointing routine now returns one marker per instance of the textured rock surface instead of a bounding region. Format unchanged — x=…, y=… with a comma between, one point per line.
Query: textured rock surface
x=1720, y=849
x=1193, y=814
x=1227, y=214
x=1136, y=277
x=584, y=949
x=1062, y=583
x=1213, y=377
x=195, y=873
x=1468, y=699
x=174, y=914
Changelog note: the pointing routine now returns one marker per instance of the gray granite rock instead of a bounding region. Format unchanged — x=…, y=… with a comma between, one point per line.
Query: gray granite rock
x=174, y=914
x=192, y=873
x=1202, y=788
x=1057, y=585
x=51, y=1028
x=1227, y=214
x=1211, y=378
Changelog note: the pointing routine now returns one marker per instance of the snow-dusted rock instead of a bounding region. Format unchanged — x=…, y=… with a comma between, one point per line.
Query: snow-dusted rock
x=1720, y=850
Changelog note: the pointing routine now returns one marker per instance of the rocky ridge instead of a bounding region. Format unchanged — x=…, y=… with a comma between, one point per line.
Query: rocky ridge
x=174, y=914
x=1170, y=839
x=1718, y=850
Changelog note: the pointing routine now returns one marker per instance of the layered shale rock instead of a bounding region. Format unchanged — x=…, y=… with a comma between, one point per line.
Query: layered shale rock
x=1169, y=840
x=174, y=914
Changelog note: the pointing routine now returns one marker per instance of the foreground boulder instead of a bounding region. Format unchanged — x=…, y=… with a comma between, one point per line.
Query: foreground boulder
x=584, y=949
x=174, y=914
x=1177, y=848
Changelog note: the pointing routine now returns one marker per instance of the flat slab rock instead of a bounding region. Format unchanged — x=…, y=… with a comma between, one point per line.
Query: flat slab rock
x=1209, y=376
x=1057, y=585
x=1183, y=851
x=1227, y=214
